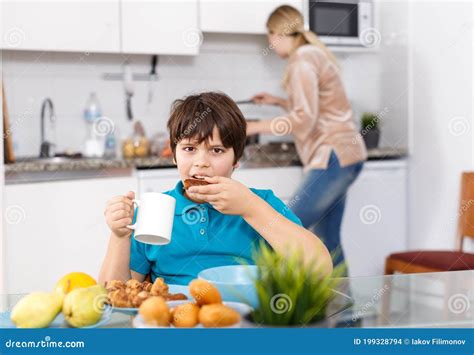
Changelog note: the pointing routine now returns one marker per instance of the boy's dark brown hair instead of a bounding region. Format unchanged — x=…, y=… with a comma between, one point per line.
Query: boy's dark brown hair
x=195, y=117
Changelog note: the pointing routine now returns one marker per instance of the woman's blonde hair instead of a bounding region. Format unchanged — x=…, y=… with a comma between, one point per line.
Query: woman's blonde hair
x=287, y=21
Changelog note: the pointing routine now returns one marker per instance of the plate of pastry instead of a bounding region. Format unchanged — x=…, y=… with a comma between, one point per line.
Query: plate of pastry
x=204, y=309
x=127, y=297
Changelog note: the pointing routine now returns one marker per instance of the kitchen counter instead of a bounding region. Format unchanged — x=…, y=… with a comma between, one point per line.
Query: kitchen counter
x=269, y=155
x=386, y=153
x=85, y=164
x=43, y=170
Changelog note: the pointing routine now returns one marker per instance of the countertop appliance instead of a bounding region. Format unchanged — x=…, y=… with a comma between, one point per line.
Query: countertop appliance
x=342, y=22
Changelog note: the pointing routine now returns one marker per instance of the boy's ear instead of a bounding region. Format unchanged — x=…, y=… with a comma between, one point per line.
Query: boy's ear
x=236, y=165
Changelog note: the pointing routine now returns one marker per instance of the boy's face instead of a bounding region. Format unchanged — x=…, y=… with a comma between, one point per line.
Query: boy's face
x=209, y=158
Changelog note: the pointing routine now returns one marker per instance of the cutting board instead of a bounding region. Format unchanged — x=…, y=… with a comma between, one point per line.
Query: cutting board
x=9, y=156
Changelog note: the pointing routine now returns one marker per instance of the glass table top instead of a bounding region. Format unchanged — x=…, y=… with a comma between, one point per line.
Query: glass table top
x=441, y=300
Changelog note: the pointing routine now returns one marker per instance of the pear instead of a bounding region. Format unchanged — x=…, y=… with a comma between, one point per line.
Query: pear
x=36, y=310
x=84, y=306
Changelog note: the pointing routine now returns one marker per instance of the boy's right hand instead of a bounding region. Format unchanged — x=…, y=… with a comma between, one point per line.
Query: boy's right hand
x=119, y=214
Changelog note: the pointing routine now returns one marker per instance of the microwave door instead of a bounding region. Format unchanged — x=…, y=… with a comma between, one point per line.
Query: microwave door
x=335, y=23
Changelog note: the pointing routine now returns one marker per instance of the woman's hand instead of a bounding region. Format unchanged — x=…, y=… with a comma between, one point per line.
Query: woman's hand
x=119, y=214
x=226, y=195
x=268, y=99
x=253, y=127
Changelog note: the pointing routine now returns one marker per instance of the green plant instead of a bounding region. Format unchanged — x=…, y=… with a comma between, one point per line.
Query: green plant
x=369, y=121
x=290, y=291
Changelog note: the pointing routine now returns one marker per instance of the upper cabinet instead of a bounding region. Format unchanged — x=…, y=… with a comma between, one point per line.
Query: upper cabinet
x=110, y=26
x=160, y=26
x=128, y=26
x=237, y=16
x=66, y=25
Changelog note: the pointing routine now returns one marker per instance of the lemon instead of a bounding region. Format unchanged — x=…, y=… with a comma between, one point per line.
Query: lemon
x=74, y=280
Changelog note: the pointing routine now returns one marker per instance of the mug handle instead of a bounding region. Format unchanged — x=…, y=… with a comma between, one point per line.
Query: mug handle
x=134, y=226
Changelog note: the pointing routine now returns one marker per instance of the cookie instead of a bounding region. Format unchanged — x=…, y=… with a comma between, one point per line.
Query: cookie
x=194, y=182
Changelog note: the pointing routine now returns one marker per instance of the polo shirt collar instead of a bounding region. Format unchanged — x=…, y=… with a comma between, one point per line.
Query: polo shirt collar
x=183, y=204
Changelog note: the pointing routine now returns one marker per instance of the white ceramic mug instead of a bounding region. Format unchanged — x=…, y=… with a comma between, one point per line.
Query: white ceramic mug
x=154, y=220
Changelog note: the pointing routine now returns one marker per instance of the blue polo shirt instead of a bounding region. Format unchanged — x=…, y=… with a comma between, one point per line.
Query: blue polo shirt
x=202, y=238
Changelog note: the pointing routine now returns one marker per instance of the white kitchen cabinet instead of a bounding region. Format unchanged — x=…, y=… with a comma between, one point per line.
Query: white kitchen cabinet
x=66, y=25
x=237, y=16
x=157, y=180
x=282, y=181
x=160, y=26
x=375, y=219
x=54, y=228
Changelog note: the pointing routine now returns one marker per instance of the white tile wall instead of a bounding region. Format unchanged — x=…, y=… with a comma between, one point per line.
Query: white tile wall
x=393, y=109
x=234, y=64
x=441, y=123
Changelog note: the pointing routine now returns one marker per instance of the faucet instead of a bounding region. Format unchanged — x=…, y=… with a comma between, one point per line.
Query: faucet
x=45, y=150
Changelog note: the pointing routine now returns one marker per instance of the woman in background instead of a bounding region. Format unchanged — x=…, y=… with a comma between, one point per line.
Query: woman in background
x=320, y=119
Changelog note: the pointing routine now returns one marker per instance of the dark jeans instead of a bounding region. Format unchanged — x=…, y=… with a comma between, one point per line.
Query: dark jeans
x=321, y=201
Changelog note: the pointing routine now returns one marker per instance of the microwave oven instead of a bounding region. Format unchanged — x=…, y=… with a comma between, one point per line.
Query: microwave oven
x=341, y=22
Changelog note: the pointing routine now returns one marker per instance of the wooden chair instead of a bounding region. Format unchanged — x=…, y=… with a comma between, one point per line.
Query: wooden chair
x=442, y=260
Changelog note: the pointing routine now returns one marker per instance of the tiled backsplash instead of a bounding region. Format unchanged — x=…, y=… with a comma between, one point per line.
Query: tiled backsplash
x=235, y=64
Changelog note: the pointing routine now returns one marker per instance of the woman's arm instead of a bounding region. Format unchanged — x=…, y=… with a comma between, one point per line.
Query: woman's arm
x=268, y=99
x=263, y=126
x=283, y=103
x=303, y=89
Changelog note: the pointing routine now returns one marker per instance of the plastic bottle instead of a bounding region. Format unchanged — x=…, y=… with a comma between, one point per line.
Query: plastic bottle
x=92, y=111
x=110, y=146
x=94, y=143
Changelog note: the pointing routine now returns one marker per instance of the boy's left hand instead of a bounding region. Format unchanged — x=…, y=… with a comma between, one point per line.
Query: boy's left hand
x=224, y=194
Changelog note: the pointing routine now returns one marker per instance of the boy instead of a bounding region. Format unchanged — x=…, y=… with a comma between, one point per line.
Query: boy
x=214, y=224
